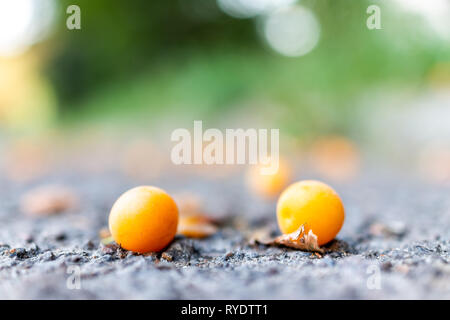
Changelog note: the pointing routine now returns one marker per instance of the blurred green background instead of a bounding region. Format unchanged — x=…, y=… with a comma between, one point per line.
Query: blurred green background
x=191, y=57
x=310, y=68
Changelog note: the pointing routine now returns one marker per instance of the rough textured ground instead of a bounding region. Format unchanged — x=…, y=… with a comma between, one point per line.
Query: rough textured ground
x=396, y=228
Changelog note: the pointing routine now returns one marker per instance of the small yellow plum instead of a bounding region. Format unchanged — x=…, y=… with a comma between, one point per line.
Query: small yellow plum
x=312, y=204
x=144, y=219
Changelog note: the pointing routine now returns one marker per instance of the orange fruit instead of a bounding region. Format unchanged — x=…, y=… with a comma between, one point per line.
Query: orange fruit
x=144, y=219
x=312, y=204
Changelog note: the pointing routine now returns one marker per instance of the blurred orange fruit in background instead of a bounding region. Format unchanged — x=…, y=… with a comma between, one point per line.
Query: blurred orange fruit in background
x=335, y=157
x=269, y=185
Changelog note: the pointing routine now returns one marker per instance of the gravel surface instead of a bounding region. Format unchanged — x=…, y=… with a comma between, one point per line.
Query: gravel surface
x=394, y=244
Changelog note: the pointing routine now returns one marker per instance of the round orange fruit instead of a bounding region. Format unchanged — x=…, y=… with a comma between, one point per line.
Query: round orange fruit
x=312, y=204
x=144, y=219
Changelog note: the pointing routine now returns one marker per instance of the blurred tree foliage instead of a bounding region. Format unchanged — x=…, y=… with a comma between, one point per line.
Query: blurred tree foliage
x=187, y=53
x=119, y=37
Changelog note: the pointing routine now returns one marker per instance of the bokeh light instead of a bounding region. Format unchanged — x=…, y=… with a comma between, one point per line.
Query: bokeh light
x=251, y=8
x=23, y=23
x=335, y=157
x=435, y=12
x=292, y=31
x=434, y=163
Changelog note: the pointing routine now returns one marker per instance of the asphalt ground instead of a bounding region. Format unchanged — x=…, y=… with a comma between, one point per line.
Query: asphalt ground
x=394, y=245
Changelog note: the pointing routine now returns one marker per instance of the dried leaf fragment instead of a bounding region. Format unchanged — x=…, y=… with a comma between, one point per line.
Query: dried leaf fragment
x=193, y=223
x=261, y=235
x=196, y=226
x=391, y=229
x=48, y=200
x=298, y=239
x=167, y=256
